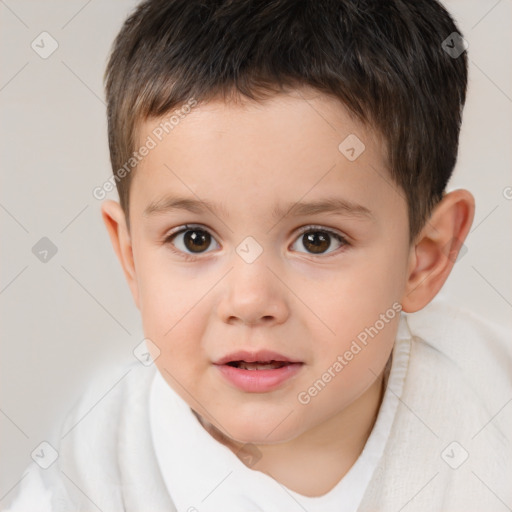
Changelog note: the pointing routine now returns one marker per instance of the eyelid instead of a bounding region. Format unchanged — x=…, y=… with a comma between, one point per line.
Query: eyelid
x=304, y=229
x=334, y=233
x=183, y=229
x=312, y=227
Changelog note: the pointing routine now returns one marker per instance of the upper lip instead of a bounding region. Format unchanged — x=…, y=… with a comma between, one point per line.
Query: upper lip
x=261, y=356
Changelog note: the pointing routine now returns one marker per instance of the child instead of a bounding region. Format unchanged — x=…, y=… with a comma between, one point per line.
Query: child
x=283, y=226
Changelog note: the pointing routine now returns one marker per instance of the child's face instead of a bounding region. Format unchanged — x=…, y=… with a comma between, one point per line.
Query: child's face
x=305, y=296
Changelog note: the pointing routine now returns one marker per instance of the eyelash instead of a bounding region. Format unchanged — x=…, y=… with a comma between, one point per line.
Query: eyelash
x=189, y=257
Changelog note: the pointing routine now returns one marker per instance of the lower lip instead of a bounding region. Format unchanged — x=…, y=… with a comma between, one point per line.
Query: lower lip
x=259, y=381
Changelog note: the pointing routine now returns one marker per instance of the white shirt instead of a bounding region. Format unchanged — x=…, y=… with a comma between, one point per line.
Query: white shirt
x=200, y=473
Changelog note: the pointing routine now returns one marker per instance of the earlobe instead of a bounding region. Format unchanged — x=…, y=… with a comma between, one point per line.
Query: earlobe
x=436, y=248
x=115, y=222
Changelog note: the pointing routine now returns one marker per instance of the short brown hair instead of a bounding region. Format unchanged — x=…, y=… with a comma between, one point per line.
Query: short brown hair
x=384, y=60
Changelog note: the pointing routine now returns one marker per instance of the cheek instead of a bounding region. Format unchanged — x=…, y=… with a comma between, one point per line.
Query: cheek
x=359, y=311
x=348, y=361
x=163, y=291
x=379, y=277
x=355, y=297
x=168, y=305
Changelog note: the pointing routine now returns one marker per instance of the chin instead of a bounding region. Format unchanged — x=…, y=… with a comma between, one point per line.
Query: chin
x=263, y=432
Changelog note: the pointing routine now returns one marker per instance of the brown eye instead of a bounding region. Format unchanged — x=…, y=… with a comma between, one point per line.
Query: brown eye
x=316, y=242
x=196, y=240
x=319, y=241
x=191, y=240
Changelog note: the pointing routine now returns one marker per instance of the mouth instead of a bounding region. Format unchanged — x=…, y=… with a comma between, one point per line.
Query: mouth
x=259, y=365
x=252, y=360
x=257, y=372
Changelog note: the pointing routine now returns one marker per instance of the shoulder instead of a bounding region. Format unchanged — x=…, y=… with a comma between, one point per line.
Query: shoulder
x=464, y=358
x=110, y=389
x=468, y=340
x=33, y=494
x=452, y=422
x=87, y=443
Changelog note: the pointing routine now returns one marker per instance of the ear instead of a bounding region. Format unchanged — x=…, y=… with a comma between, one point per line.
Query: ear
x=436, y=248
x=115, y=221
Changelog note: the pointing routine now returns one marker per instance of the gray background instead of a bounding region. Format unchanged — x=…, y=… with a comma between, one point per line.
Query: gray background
x=68, y=319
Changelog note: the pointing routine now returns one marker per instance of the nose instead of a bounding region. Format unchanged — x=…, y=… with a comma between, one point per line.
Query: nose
x=252, y=295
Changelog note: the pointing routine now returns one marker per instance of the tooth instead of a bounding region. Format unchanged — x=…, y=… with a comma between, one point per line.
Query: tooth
x=260, y=366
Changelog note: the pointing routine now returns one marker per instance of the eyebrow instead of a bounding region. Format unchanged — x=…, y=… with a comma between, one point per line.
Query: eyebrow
x=333, y=205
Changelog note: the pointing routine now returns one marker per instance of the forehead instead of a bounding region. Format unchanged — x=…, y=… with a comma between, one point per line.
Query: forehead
x=248, y=153
x=292, y=116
